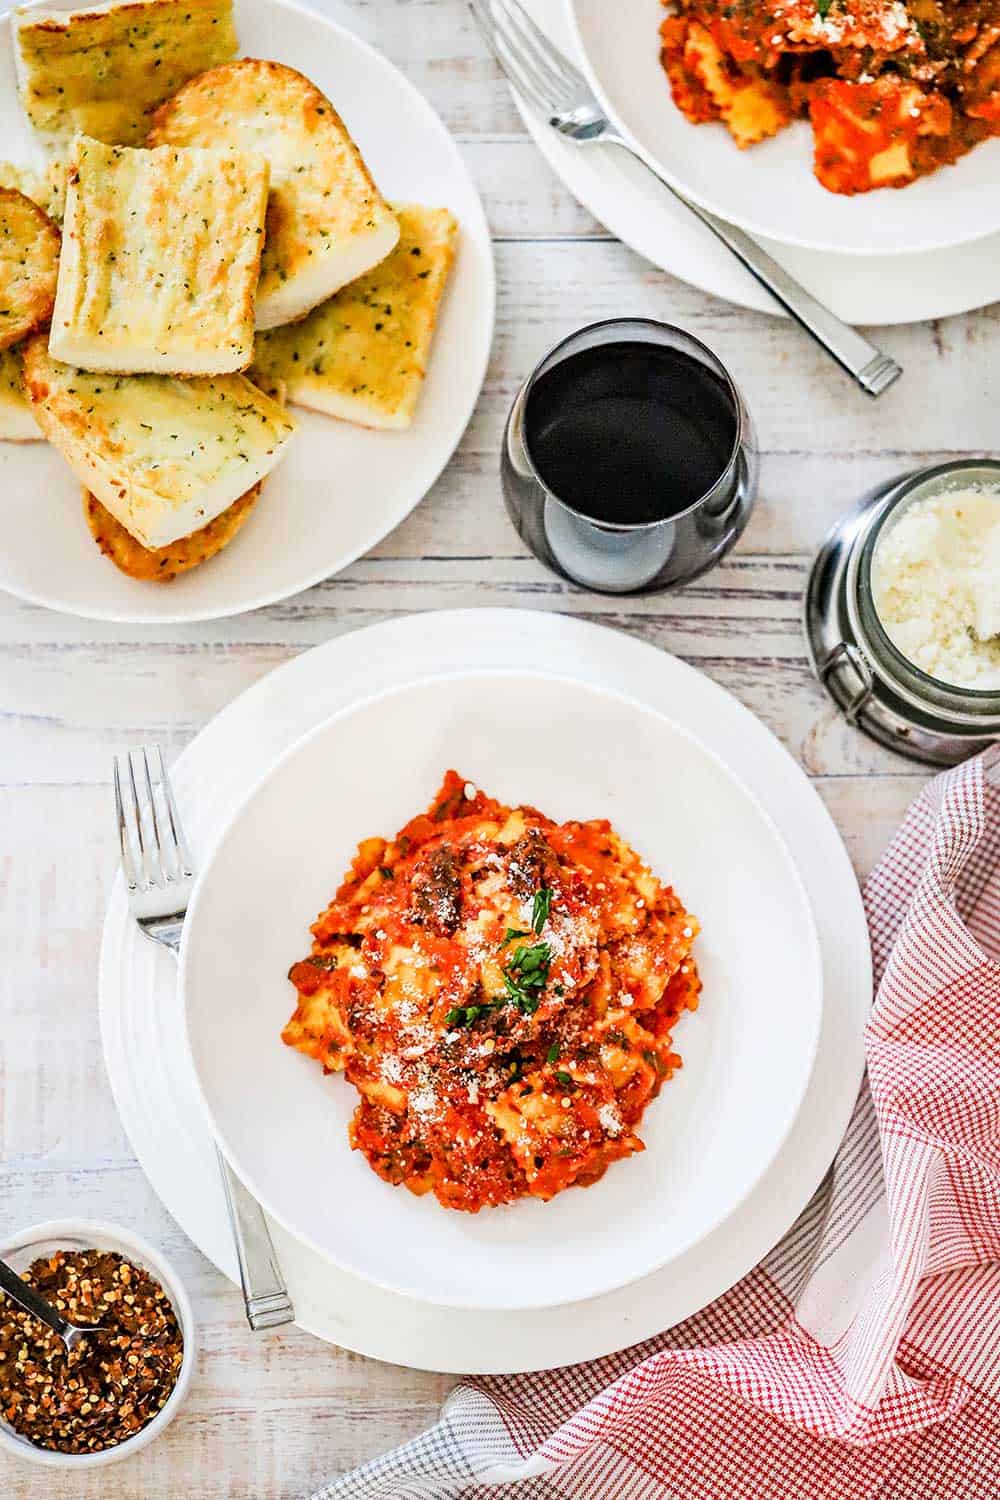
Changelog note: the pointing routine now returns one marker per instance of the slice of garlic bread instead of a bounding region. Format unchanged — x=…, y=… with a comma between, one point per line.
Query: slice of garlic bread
x=363, y=355
x=166, y=456
x=45, y=186
x=327, y=222
x=17, y=423
x=161, y=255
x=104, y=69
x=162, y=564
x=27, y=180
x=29, y=258
x=54, y=189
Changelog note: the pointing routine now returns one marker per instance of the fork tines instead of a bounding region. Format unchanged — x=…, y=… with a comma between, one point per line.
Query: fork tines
x=154, y=850
x=537, y=69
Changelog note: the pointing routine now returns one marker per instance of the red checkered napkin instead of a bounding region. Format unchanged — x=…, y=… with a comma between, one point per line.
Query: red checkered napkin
x=861, y=1359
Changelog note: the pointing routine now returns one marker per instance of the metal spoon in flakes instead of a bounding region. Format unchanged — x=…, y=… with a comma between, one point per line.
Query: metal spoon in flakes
x=25, y=1296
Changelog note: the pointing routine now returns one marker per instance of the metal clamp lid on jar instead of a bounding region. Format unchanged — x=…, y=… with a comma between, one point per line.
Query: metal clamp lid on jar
x=874, y=685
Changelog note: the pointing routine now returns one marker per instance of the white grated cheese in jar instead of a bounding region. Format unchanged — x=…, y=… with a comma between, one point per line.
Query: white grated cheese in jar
x=936, y=586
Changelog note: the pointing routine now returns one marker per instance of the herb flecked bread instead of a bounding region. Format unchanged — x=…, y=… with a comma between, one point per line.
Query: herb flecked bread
x=163, y=564
x=29, y=257
x=363, y=355
x=327, y=222
x=164, y=455
x=44, y=186
x=103, y=70
x=17, y=424
x=161, y=255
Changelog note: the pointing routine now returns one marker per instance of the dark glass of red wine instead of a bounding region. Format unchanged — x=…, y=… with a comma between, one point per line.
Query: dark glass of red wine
x=629, y=460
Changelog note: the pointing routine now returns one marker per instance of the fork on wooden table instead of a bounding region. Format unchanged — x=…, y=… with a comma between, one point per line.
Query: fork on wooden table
x=159, y=875
x=550, y=85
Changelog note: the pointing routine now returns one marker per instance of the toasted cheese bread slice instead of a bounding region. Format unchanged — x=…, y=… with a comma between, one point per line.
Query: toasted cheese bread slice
x=362, y=356
x=327, y=222
x=29, y=258
x=17, y=423
x=165, y=456
x=26, y=180
x=161, y=255
x=162, y=564
x=44, y=186
x=102, y=70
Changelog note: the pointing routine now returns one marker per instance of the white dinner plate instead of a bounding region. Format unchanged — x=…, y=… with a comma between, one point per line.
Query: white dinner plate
x=628, y=201
x=575, y=752
x=339, y=488
x=145, y=1044
x=770, y=189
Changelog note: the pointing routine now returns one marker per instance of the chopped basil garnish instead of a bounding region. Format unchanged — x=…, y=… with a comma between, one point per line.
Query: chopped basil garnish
x=525, y=976
x=540, y=909
x=464, y=1015
x=528, y=970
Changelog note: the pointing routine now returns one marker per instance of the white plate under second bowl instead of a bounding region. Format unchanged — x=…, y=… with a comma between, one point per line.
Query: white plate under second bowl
x=321, y=507
x=868, y=289
x=575, y=751
x=770, y=189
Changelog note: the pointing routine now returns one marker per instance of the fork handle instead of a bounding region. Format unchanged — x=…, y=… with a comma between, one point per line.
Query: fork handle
x=265, y=1296
x=873, y=370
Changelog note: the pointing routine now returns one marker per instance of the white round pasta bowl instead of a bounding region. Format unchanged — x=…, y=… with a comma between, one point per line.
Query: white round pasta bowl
x=770, y=188
x=574, y=751
x=94, y=1234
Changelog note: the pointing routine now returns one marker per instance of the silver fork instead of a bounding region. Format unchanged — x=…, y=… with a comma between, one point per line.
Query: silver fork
x=551, y=86
x=159, y=875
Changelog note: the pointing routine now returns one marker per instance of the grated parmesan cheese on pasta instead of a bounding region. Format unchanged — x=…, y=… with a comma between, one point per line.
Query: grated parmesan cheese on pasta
x=936, y=587
x=464, y=980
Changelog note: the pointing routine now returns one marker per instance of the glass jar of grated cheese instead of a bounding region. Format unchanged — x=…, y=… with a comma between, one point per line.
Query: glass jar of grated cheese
x=928, y=590
x=903, y=612
x=935, y=584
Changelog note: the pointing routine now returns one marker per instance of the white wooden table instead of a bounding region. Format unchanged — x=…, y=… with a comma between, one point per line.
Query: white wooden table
x=275, y=1414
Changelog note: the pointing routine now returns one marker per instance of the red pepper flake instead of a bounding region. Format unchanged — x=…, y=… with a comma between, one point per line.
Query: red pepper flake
x=112, y=1384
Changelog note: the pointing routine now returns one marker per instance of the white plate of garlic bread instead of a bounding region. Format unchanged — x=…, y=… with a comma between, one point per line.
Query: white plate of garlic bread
x=266, y=323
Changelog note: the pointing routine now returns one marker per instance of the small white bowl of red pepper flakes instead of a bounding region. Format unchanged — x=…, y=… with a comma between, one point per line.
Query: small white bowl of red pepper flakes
x=114, y=1394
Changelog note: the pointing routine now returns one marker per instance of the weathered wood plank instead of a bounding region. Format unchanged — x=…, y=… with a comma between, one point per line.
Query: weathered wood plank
x=522, y=197
x=745, y=634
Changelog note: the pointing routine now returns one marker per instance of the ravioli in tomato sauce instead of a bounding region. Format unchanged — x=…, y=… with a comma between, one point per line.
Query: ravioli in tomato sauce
x=893, y=89
x=501, y=991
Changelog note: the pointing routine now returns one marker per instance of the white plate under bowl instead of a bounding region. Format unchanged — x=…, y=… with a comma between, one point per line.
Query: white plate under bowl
x=149, y=1063
x=321, y=508
x=643, y=214
x=770, y=189
x=574, y=751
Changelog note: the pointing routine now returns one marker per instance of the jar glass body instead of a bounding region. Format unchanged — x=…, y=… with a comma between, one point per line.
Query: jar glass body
x=958, y=705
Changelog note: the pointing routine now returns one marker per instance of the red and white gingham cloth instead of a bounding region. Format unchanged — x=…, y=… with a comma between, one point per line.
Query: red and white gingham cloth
x=861, y=1359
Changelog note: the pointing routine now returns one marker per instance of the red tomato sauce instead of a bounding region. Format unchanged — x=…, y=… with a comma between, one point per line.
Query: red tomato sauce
x=501, y=991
